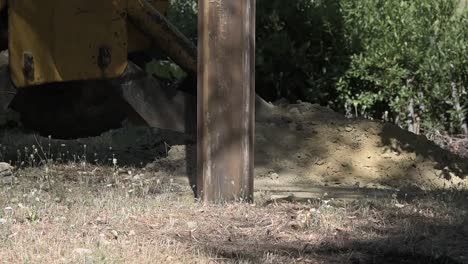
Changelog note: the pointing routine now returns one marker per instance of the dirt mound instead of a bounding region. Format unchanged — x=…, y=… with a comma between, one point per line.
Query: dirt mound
x=455, y=144
x=298, y=147
x=303, y=145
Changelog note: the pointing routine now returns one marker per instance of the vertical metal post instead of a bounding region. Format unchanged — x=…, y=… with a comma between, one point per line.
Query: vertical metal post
x=226, y=99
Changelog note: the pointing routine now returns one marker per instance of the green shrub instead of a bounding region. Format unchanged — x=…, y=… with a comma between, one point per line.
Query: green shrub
x=410, y=59
x=183, y=13
x=301, y=49
x=300, y=46
x=405, y=60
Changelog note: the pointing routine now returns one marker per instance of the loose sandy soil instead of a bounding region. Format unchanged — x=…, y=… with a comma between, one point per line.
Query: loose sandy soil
x=298, y=146
x=328, y=190
x=306, y=144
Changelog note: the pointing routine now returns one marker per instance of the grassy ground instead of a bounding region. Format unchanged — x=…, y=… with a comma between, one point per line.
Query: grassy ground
x=81, y=213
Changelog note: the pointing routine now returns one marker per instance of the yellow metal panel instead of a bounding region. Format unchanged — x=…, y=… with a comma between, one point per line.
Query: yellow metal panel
x=83, y=29
x=137, y=41
x=30, y=31
x=56, y=40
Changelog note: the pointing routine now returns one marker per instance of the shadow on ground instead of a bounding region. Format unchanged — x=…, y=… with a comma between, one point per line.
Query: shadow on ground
x=386, y=234
x=298, y=146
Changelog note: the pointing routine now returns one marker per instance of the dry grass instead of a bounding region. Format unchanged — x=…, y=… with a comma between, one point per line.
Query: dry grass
x=79, y=213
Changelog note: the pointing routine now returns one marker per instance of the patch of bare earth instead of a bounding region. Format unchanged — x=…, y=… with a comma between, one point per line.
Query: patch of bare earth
x=329, y=190
x=455, y=144
x=306, y=144
x=306, y=150
x=77, y=213
x=298, y=147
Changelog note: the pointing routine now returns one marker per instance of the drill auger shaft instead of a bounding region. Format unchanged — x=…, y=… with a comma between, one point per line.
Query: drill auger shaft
x=165, y=35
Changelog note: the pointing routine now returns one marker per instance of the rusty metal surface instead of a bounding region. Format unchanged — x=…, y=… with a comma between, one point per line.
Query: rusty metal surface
x=226, y=98
x=165, y=35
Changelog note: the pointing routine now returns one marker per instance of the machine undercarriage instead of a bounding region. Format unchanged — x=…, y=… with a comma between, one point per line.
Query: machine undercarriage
x=44, y=96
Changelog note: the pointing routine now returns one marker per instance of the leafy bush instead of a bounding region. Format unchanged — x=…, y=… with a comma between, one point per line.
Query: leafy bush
x=300, y=46
x=301, y=49
x=183, y=13
x=410, y=60
x=404, y=60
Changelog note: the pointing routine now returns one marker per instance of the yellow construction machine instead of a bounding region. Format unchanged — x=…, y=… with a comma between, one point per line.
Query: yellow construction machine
x=76, y=67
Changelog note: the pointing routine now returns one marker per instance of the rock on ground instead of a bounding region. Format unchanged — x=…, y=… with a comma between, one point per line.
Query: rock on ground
x=5, y=169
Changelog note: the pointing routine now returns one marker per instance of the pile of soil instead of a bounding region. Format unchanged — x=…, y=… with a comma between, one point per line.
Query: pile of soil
x=303, y=145
x=298, y=146
x=455, y=144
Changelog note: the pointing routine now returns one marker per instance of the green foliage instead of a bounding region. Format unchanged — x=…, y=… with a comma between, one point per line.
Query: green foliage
x=165, y=70
x=410, y=59
x=404, y=58
x=301, y=49
x=300, y=46
x=183, y=13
